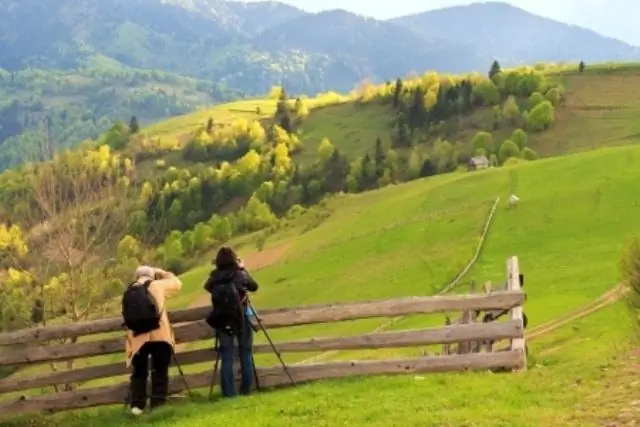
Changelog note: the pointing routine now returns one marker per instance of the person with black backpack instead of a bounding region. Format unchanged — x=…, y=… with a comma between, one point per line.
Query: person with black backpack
x=228, y=285
x=149, y=334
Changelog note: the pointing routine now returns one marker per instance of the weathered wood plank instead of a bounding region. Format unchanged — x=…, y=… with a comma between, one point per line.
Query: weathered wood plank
x=513, y=282
x=272, y=377
x=412, y=338
x=197, y=331
x=282, y=317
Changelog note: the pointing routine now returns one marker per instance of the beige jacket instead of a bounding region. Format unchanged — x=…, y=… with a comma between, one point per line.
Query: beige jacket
x=160, y=289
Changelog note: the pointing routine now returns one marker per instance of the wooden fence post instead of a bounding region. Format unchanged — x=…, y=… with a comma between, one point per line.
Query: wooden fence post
x=513, y=284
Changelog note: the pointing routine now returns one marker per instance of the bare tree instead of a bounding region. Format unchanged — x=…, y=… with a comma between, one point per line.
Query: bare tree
x=80, y=206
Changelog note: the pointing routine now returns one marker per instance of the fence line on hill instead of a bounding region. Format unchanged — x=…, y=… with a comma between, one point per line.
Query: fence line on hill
x=31, y=346
x=444, y=290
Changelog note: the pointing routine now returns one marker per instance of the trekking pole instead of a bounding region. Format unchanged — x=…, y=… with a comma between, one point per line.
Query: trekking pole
x=184, y=379
x=273, y=346
x=215, y=366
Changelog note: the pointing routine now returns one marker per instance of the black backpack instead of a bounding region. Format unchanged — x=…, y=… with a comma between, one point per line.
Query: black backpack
x=140, y=309
x=228, y=313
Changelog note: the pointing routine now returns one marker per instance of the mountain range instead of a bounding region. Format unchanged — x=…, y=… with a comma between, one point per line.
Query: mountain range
x=250, y=46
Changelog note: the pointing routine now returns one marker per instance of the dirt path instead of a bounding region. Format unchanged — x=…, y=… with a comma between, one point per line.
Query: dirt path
x=604, y=300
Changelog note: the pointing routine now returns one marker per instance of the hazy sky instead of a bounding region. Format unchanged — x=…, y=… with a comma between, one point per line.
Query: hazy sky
x=614, y=18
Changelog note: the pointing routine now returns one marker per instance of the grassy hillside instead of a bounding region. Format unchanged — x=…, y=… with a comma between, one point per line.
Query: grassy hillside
x=600, y=109
x=411, y=239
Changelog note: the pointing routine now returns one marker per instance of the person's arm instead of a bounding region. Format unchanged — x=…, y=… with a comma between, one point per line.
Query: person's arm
x=168, y=281
x=246, y=281
x=208, y=284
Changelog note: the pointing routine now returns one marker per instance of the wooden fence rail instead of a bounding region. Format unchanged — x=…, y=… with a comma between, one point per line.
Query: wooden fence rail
x=451, y=334
x=272, y=377
x=30, y=346
x=285, y=317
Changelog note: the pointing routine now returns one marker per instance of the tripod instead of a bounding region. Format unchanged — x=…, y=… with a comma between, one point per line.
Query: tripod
x=255, y=373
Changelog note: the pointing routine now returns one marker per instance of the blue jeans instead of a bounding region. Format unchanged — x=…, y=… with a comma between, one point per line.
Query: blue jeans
x=245, y=345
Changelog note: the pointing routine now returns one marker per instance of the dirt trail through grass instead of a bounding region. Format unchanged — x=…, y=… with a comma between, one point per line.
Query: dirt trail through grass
x=604, y=300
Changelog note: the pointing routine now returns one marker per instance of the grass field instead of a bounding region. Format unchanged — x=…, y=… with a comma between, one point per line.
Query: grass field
x=576, y=213
x=411, y=240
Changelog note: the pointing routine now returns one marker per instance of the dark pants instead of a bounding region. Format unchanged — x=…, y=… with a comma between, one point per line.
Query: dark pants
x=160, y=353
x=245, y=345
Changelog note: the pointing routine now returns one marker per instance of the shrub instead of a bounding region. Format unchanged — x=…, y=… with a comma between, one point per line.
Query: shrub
x=507, y=150
x=630, y=270
x=161, y=164
x=529, y=154
x=553, y=95
x=541, y=116
x=520, y=138
x=536, y=98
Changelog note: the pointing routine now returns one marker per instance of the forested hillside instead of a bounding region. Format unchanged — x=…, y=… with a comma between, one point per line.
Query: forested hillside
x=250, y=175
x=66, y=107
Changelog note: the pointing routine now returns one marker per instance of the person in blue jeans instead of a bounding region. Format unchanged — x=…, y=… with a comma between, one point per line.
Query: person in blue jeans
x=228, y=285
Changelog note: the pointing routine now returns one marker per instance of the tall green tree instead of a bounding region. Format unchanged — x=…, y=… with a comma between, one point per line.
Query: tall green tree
x=495, y=69
x=134, y=127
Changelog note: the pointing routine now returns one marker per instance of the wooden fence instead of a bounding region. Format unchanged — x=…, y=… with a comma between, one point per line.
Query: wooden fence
x=42, y=346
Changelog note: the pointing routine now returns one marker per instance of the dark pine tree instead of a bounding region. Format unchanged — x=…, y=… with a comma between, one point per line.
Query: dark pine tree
x=336, y=170
x=417, y=110
x=495, y=69
x=396, y=93
x=428, y=168
x=379, y=158
x=134, y=127
x=210, y=125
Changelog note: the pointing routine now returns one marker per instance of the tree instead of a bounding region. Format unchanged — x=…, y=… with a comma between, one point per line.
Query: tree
x=511, y=111
x=541, y=116
x=78, y=215
x=482, y=140
x=134, y=127
x=553, y=95
x=529, y=154
x=275, y=92
x=415, y=165
x=260, y=240
x=485, y=93
x=536, y=98
x=325, y=150
x=397, y=93
x=210, y=126
x=520, y=138
x=581, y=67
x=495, y=69
x=507, y=150
x=379, y=158
x=336, y=172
